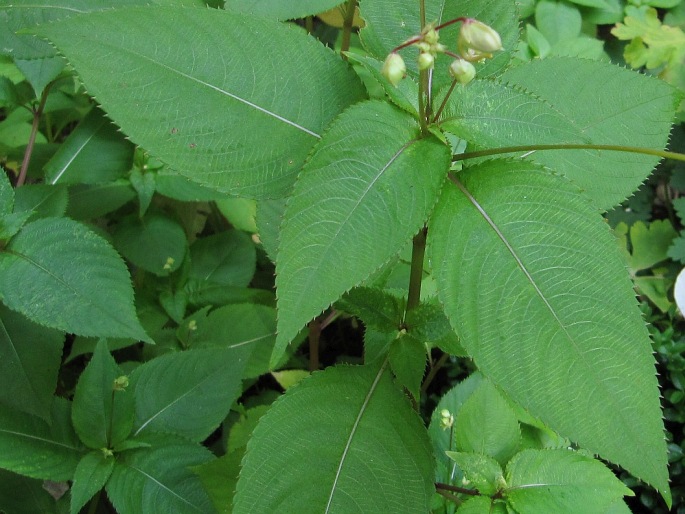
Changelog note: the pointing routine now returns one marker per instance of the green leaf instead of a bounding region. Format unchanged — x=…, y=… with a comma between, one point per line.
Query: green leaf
x=289, y=89
x=486, y=424
x=649, y=243
x=219, y=478
x=145, y=185
x=88, y=202
x=227, y=258
x=102, y=413
x=561, y=481
x=91, y=475
x=31, y=447
x=477, y=505
x=6, y=195
x=443, y=436
x=248, y=326
x=367, y=189
x=390, y=23
x=427, y=323
x=492, y=115
x=374, y=307
x=155, y=243
x=60, y=274
x=94, y=152
x=159, y=479
x=482, y=472
x=408, y=362
x=278, y=10
x=43, y=200
x=192, y=407
x=23, y=495
x=594, y=97
x=337, y=431
x=513, y=243
x=557, y=20
x=30, y=358
x=240, y=212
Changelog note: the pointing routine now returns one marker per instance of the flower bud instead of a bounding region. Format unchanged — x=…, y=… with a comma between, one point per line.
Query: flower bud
x=394, y=68
x=479, y=37
x=463, y=71
x=426, y=61
x=431, y=37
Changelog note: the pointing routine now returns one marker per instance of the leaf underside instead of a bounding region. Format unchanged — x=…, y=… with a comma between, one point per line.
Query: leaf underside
x=523, y=264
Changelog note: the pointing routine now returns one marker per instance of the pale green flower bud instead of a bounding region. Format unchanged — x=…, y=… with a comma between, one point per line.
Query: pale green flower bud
x=446, y=419
x=479, y=37
x=394, y=68
x=431, y=37
x=426, y=61
x=463, y=71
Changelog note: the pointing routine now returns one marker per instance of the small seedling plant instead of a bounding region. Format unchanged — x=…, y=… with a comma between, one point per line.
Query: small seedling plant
x=457, y=212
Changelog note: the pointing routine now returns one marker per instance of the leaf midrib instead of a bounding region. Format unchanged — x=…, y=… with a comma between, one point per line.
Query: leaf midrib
x=590, y=370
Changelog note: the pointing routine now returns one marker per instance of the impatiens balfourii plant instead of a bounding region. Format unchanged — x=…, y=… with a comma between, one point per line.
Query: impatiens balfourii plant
x=490, y=175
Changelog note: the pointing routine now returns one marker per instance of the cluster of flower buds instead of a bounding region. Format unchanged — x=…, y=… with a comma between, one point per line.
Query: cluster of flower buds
x=446, y=419
x=477, y=41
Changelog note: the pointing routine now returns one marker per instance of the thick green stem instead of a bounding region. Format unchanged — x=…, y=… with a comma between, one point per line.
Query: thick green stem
x=535, y=148
x=347, y=27
x=422, y=13
x=418, y=252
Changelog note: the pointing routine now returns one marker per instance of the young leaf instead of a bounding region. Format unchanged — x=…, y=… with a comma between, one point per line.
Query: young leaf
x=201, y=119
x=60, y=274
x=561, y=481
x=337, y=431
x=30, y=358
x=408, y=362
x=483, y=473
x=155, y=243
x=486, y=424
x=479, y=505
x=159, y=479
x=219, y=478
x=367, y=189
x=248, y=326
x=188, y=393
x=102, y=412
x=512, y=243
x=228, y=258
x=91, y=475
x=42, y=200
x=595, y=95
x=31, y=447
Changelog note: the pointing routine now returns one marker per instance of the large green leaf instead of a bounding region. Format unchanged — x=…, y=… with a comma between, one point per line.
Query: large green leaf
x=390, y=23
x=203, y=92
x=61, y=274
x=351, y=436
x=611, y=106
x=102, y=413
x=492, y=115
x=561, y=481
x=31, y=447
x=30, y=358
x=227, y=258
x=279, y=10
x=159, y=479
x=188, y=393
x=23, y=495
x=523, y=263
x=368, y=188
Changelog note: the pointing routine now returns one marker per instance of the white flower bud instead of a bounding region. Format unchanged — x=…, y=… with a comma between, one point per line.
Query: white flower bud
x=394, y=68
x=479, y=37
x=426, y=61
x=463, y=71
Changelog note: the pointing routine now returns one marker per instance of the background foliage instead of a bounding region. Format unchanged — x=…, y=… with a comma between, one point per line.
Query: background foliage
x=149, y=365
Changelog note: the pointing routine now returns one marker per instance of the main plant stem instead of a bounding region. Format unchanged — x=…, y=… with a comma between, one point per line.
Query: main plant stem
x=418, y=251
x=347, y=27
